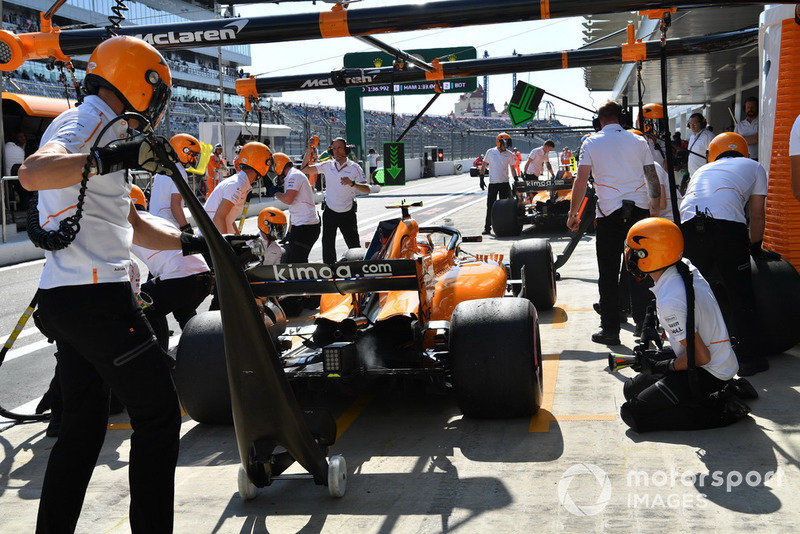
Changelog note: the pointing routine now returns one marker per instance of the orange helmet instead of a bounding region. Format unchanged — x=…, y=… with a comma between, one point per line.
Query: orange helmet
x=137, y=195
x=135, y=71
x=652, y=244
x=257, y=156
x=280, y=161
x=653, y=111
x=504, y=140
x=728, y=144
x=635, y=131
x=187, y=147
x=272, y=221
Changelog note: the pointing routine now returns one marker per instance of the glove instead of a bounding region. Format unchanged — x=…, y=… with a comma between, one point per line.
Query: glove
x=243, y=245
x=135, y=154
x=654, y=366
x=187, y=228
x=483, y=184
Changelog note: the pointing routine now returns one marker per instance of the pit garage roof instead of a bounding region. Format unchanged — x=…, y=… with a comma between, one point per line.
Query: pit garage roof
x=692, y=80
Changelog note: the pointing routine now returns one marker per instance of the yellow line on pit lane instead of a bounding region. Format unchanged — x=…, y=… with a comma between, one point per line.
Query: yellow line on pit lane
x=540, y=422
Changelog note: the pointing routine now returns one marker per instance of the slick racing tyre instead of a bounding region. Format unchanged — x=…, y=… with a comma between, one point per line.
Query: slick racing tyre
x=776, y=286
x=504, y=218
x=201, y=375
x=532, y=262
x=495, y=358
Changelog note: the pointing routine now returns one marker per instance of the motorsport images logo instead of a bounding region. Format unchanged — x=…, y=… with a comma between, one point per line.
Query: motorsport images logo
x=579, y=471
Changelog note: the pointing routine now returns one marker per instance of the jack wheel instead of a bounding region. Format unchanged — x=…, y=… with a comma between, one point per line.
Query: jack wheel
x=337, y=476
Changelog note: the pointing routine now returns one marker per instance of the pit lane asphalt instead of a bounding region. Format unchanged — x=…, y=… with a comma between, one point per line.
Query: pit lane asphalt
x=416, y=465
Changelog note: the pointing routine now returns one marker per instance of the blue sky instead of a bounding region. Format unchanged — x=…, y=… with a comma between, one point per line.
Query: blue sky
x=299, y=57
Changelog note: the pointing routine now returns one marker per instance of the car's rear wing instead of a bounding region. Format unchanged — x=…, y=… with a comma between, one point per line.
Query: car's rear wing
x=543, y=185
x=342, y=278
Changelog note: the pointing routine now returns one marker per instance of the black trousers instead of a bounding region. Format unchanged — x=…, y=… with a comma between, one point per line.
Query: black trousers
x=610, y=243
x=664, y=402
x=721, y=252
x=102, y=337
x=332, y=221
x=178, y=296
x=301, y=240
x=504, y=191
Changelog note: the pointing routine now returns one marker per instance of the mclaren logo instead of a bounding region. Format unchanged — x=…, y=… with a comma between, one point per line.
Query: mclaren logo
x=328, y=82
x=226, y=33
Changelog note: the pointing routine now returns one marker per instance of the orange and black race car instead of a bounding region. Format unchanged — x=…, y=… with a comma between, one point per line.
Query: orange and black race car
x=413, y=305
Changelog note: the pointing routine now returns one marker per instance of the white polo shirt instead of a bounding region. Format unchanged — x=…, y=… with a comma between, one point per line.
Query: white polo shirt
x=161, y=194
x=617, y=158
x=698, y=143
x=537, y=159
x=744, y=128
x=168, y=264
x=302, y=211
x=14, y=154
x=794, y=138
x=340, y=197
x=101, y=251
x=499, y=165
x=233, y=189
x=663, y=178
x=671, y=309
x=721, y=189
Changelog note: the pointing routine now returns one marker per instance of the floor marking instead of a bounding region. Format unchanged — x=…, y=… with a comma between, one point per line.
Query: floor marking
x=541, y=420
x=351, y=413
x=560, y=314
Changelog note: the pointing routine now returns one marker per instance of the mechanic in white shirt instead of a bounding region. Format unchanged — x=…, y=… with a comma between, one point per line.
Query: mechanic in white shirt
x=537, y=159
x=661, y=397
x=272, y=229
x=305, y=223
x=373, y=158
x=165, y=199
x=343, y=178
x=718, y=240
x=499, y=161
x=85, y=299
x=179, y=284
x=748, y=127
x=225, y=203
x=628, y=190
x=14, y=155
x=698, y=142
x=794, y=157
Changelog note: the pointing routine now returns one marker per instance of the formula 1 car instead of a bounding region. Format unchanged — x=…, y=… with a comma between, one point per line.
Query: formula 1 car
x=542, y=203
x=412, y=305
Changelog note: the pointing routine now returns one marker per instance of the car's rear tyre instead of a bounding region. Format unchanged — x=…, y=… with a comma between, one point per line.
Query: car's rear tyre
x=532, y=262
x=504, y=218
x=776, y=286
x=201, y=375
x=495, y=358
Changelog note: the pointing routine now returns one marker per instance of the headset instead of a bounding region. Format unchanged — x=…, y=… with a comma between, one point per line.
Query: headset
x=624, y=118
x=703, y=121
x=347, y=147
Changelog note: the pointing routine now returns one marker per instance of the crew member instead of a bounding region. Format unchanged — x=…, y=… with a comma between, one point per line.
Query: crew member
x=226, y=201
x=515, y=170
x=373, y=158
x=14, y=155
x=748, y=127
x=627, y=191
x=698, y=142
x=299, y=197
x=499, y=160
x=662, y=396
x=538, y=159
x=343, y=178
x=85, y=299
x=272, y=228
x=178, y=283
x=165, y=199
x=717, y=237
x=216, y=163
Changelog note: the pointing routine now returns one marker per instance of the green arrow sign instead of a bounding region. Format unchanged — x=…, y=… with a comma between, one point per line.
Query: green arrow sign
x=524, y=103
x=394, y=164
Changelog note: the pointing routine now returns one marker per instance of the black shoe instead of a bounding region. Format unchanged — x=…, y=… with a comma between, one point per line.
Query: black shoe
x=623, y=314
x=486, y=232
x=605, y=338
x=751, y=366
x=731, y=408
x=742, y=388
